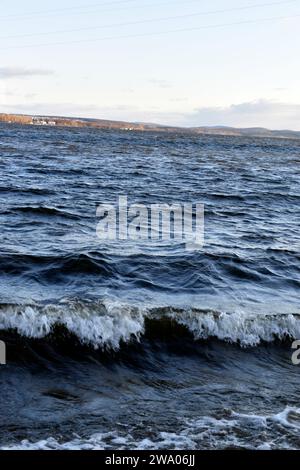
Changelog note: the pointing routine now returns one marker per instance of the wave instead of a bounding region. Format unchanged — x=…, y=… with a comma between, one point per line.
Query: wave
x=158, y=268
x=108, y=324
x=45, y=211
x=235, y=431
x=26, y=190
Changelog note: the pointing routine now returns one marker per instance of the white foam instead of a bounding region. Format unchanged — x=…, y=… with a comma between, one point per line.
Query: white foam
x=239, y=327
x=96, y=324
x=108, y=323
x=289, y=417
x=206, y=432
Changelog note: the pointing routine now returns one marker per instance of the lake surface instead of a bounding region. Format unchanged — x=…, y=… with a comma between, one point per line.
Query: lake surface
x=134, y=345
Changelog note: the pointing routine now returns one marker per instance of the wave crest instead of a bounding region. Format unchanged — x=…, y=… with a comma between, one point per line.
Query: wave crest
x=108, y=324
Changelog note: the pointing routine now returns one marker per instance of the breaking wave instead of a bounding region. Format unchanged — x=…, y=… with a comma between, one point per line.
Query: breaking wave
x=108, y=324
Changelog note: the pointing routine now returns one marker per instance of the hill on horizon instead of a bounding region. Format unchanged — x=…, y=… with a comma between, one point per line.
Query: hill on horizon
x=62, y=121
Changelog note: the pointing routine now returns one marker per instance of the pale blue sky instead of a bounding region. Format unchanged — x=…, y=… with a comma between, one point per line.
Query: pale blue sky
x=65, y=57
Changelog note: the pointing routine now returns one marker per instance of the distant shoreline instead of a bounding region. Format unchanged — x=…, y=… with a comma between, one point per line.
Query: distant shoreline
x=59, y=121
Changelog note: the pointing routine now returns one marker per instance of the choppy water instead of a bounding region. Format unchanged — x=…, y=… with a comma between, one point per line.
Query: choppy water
x=123, y=345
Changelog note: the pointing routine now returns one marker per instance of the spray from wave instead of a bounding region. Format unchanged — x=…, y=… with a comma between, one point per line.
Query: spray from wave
x=107, y=324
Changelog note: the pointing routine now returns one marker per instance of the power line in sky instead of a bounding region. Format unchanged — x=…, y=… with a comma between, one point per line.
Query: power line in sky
x=99, y=6
x=158, y=33
x=61, y=10
x=118, y=4
x=151, y=20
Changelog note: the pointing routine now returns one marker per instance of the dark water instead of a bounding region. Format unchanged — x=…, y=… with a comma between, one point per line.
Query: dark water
x=134, y=345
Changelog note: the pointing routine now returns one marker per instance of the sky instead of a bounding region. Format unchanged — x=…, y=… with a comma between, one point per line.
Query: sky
x=176, y=62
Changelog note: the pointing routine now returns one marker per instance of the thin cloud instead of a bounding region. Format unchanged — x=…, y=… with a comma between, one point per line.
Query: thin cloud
x=178, y=100
x=20, y=72
x=259, y=113
x=160, y=83
x=58, y=109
